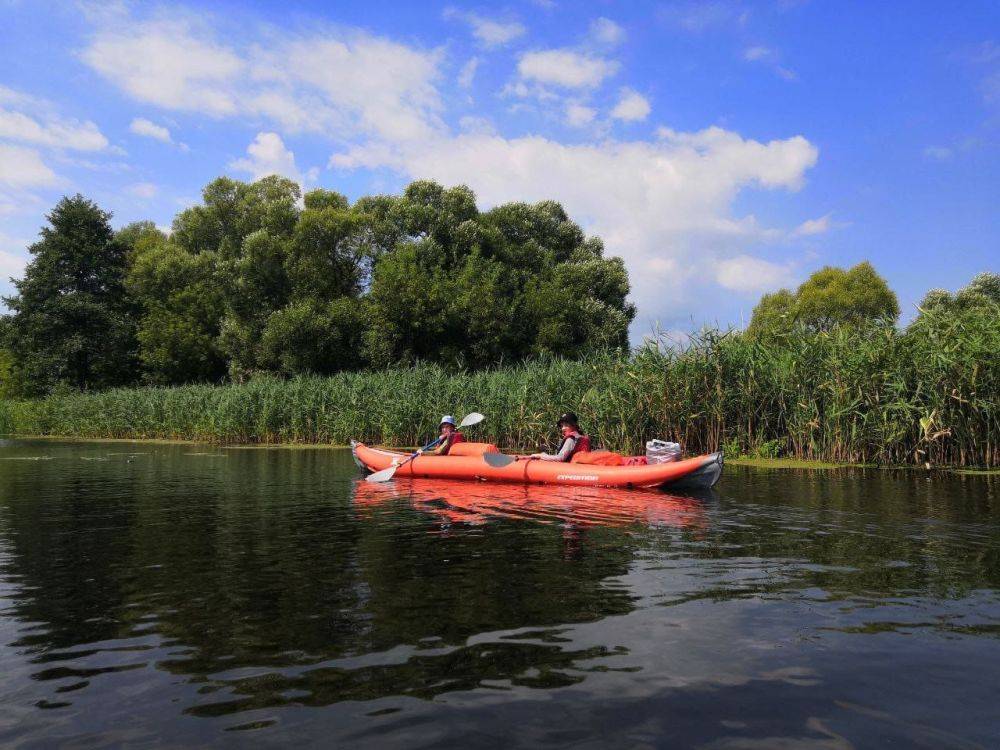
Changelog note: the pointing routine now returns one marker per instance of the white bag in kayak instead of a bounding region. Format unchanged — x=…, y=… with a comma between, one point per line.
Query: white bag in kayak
x=662, y=451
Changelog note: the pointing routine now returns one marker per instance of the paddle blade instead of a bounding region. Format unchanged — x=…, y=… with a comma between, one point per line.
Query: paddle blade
x=382, y=476
x=471, y=419
x=498, y=460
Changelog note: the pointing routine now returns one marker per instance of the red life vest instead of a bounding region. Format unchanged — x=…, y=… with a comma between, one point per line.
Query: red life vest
x=582, y=444
x=456, y=437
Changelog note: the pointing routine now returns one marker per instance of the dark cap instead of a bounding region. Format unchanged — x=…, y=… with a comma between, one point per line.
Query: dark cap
x=568, y=418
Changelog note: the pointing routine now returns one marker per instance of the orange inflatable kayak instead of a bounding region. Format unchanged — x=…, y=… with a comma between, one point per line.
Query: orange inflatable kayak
x=699, y=472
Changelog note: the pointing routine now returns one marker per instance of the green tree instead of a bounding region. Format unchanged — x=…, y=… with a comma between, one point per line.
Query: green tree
x=255, y=285
x=326, y=254
x=832, y=296
x=982, y=292
x=319, y=198
x=829, y=297
x=276, y=265
x=139, y=235
x=308, y=336
x=181, y=307
x=774, y=312
x=245, y=227
x=10, y=387
x=73, y=322
x=463, y=287
x=233, y=210
x=321, y=327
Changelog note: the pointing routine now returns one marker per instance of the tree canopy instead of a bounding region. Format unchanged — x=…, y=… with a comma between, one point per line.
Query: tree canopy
x=831, y=296
x=982, y=292
x=72, y=322
x=259, y=278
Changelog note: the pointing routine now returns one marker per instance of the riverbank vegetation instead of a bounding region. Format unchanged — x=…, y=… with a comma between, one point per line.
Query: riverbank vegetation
x=263, y=319
x=870, y=393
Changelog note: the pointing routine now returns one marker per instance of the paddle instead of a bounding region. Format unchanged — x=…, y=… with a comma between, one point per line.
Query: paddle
x=386, y=474
x=499, y=460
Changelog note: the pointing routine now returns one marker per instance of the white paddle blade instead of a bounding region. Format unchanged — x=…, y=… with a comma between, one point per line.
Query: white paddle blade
x=471, y=419
x=498, y=460
x=382, y=476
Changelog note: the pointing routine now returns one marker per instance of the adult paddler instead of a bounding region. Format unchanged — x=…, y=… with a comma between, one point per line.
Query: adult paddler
x=574, y=440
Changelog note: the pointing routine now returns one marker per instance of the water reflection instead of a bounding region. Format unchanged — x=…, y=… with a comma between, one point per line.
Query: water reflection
x=476, y=503
x=182, y=592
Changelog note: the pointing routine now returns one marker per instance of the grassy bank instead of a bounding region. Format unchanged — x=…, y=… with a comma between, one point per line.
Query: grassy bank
x=872, y=395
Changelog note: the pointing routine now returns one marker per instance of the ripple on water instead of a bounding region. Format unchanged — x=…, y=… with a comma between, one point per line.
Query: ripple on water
x=169, y=601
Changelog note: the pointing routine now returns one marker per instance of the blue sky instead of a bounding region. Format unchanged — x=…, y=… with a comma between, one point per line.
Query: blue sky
x=723, y=148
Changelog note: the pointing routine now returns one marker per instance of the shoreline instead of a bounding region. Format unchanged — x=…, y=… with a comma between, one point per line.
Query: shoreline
x=796, y=463
x=753, y=463
x=170, y=441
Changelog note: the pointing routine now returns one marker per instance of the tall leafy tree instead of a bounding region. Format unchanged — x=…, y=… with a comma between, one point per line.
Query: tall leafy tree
x=181, y=308
x=518, y=281
x=245, y=226
x=983, y=292
x=310, y=336
x=829, y=297
x=10, y=386
x=73, y=322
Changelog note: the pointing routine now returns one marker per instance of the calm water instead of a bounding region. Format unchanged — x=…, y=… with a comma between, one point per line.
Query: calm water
x=191, y=596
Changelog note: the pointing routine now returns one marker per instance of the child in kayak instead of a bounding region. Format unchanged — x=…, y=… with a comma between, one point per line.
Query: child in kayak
x=574, y=440
x=450, y=434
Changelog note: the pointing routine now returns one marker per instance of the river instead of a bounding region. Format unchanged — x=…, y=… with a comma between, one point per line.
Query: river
x=184, y=595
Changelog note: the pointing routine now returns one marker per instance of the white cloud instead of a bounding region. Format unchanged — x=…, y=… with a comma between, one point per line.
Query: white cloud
x=606, y=31
x=143, y=190
x=478, y=125
x=267, y=155
x=359, y=84
x=20, y=99
x=769, y=57
x=579, y=115
x=990, y=88
x=11, y=265
x=148, y=129
x=753, y=54
x=12, y=261
x=488, y=32
x=747, y=274
x=703, y=15
x=19, y=201
x=938, y=153
x=566, y=68
x=327, y=81
x=82, y=136
x=632, y=106
x=770, y=165
x=23, y=167
x=812, y=227
x=468, y=73
x=657, y=204
x=169, y=64
x=30, y=119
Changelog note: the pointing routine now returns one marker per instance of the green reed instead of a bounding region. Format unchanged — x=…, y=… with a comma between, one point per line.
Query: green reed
x=872, y=394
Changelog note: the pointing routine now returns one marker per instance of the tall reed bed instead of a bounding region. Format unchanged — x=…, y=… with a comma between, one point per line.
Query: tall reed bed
x=871, y=394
